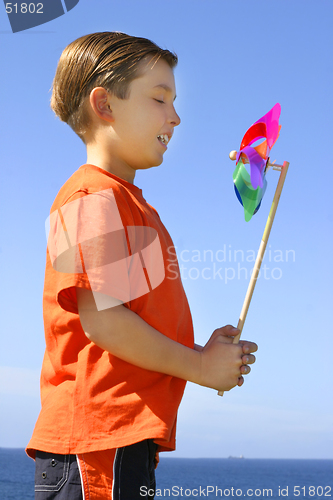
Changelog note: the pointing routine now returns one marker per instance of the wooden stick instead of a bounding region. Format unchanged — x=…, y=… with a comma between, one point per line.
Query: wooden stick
x=260, y=254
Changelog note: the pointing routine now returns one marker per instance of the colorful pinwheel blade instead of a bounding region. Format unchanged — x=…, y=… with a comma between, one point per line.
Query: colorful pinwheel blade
x=249, y=197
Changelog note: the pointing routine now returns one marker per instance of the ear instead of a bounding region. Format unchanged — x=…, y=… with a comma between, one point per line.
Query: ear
x=100, y=103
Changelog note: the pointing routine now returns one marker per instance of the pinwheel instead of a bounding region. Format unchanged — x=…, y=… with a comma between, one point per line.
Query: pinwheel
x=250, y=188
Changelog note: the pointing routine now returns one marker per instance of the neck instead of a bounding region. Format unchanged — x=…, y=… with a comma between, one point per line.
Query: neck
x=106, y=162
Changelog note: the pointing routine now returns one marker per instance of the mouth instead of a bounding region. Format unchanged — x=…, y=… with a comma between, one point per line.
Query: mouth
x=164, y=139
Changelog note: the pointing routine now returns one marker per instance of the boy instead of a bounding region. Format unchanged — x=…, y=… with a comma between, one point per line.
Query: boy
x=119, y=335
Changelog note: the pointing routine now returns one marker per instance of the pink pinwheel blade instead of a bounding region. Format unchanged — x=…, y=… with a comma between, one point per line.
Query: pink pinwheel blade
x=271, y=120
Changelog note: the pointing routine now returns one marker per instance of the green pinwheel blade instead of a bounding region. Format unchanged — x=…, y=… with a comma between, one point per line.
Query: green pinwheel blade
x=250, y=198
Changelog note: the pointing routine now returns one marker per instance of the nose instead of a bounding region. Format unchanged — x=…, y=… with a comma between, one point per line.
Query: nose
x=174, y=118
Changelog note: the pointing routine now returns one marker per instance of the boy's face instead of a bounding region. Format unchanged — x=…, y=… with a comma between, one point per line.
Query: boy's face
x=141, y=120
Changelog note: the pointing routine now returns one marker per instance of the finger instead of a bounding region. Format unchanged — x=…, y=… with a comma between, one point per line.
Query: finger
x=248, y=359
x=240, y=381
x=244, y=369
x=248, y=346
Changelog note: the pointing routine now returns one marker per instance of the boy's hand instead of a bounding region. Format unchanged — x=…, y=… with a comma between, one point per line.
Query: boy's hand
x=121, y=332
x=222, y=362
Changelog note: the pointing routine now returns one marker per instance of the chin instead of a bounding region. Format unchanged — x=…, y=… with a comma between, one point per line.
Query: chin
x=151, y=164
x=159, y=161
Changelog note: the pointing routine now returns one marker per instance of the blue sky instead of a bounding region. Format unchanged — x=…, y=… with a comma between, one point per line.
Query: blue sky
x=236, y=60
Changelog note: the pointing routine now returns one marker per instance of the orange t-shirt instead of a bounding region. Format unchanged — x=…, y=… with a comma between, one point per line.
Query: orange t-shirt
x=105, y=237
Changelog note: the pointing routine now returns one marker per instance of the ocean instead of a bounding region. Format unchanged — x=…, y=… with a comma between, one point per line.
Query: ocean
x=193, y=478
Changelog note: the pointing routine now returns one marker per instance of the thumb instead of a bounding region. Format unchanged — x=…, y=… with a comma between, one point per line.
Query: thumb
x=229, y=331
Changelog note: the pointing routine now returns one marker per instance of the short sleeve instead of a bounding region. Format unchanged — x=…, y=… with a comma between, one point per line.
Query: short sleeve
x=88, y=248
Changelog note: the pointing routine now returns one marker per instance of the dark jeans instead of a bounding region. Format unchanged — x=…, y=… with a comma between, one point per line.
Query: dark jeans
x=57, y=477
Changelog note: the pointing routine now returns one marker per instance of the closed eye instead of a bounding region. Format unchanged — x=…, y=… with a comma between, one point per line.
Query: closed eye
x=162, y=102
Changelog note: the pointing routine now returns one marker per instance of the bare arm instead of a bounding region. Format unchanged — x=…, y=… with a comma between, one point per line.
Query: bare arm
x=126, y=335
